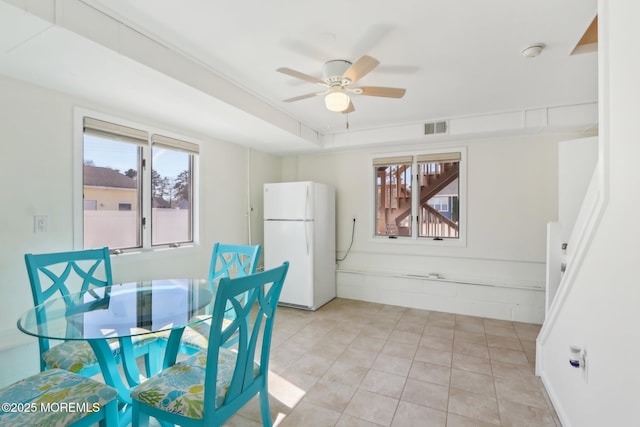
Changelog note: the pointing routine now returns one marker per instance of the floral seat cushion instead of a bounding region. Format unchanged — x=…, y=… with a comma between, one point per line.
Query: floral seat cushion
x=197, y=335
x=43, y=395
x=75, y=355
x=180, y=389
x=72, y=356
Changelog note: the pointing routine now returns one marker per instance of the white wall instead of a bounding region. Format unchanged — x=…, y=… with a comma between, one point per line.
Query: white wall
x=263, y=168
x=37, y=175
x=597, y=304
x=512, y=193
x=577, y=160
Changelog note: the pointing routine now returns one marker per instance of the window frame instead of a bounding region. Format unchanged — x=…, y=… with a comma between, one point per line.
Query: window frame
x=414, y=239
x=145, y=206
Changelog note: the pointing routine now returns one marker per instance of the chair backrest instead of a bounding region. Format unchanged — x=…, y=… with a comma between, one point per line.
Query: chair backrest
x=233, y=260
x=62, y=273
x=253, y=322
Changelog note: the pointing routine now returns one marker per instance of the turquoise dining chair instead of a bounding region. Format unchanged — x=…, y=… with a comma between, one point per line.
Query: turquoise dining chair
x=58, y=398
x=207, y=388
x=59, y=275
x=227, y=260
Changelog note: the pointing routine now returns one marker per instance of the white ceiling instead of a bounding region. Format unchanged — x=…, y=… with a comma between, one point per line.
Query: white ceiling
x=455, y=58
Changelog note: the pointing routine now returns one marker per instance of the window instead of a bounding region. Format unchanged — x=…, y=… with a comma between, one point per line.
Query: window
x=137, y=187
x=439, y=183
x=441, y=204
x=393, y=196
x=172, y=186
x=420, y=196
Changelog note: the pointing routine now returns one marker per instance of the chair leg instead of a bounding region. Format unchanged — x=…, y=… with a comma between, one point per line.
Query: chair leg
x=153, y=358
x=111, y=414
x=138, y=418
x=265, y=411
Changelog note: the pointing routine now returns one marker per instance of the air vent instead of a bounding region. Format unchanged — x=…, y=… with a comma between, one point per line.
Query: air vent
x=434, y=128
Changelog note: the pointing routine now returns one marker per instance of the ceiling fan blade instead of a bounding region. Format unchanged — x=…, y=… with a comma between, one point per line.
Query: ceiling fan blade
x=387, y=92
x=360, y=68
x=299, y=75
x=350, y=108
x=301, y=97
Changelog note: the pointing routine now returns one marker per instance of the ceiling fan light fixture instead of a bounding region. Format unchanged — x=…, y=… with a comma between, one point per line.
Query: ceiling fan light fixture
x=337, y=101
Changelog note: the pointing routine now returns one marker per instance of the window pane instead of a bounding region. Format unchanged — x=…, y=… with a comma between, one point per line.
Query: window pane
x=393, y=200
x=110, y=181
x=172, y=205
x=438, y=214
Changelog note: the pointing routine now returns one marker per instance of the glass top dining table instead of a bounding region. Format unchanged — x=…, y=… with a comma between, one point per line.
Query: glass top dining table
x=127, y=312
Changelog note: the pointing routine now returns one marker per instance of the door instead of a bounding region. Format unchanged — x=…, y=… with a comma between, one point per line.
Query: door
x=288, y=200
x=291, y=241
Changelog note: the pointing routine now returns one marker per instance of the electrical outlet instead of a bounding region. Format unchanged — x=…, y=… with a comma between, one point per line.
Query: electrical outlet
x=41, y=223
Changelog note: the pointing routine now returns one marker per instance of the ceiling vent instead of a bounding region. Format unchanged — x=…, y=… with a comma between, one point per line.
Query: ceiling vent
x=434, y=128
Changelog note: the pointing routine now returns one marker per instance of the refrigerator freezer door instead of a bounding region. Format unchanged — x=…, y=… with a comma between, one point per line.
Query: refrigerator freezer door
x=289, y=200
x=292, y=241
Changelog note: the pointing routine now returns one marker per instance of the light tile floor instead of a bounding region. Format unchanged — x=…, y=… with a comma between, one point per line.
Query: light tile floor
x=360, y=364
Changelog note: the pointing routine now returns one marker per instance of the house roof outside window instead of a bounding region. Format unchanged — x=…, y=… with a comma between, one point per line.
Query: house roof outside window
x=96, y=176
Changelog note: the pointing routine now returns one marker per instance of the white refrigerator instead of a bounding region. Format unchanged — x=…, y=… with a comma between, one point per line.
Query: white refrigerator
x=299, y=227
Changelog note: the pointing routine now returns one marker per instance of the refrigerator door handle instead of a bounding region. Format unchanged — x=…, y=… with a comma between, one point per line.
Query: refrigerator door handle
x=306, y=205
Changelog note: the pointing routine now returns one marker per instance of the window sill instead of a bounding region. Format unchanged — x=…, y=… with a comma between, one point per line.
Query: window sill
x=154, y=249
x=420, y=241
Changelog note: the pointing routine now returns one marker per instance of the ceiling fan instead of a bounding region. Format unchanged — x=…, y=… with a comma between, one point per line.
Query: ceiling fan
x=339, y=75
